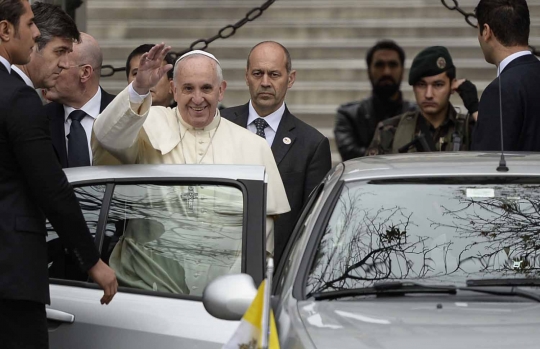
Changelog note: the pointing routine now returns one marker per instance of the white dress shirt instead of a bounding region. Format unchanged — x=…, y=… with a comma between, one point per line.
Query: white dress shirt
x=272, y=120
x=6, y=64
x=23, y=76
x=91, y=108
x=510, y=58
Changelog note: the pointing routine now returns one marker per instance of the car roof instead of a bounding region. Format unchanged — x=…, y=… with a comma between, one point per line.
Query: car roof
x=451, y=164
x=234, y=172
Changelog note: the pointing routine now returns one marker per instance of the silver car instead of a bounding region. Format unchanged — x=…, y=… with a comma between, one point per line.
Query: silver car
x=409, y=251
x=167, y=230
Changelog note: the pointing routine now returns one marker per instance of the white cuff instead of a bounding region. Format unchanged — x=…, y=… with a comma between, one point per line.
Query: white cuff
x=134, y=97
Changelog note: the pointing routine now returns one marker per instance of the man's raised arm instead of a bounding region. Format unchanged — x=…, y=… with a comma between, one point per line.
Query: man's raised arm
x=118, y=127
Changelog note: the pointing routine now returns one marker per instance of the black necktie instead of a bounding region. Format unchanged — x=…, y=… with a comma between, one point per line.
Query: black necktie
x=78, y=154
x=260, y=124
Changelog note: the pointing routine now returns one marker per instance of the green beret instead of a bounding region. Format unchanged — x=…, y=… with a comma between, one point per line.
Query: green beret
x=431, y=61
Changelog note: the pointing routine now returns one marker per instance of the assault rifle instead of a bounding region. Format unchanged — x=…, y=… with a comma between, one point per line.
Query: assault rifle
x=419, y=142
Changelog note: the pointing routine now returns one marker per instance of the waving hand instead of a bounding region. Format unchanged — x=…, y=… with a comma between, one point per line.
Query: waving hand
x=151, y=69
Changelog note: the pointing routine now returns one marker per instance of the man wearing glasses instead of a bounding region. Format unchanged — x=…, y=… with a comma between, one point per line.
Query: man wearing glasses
x=436, y=126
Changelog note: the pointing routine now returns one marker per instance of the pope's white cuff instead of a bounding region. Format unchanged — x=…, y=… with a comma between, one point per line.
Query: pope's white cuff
x=134, y=97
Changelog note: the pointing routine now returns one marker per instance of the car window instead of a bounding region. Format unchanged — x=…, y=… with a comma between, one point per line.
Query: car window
x=440, y=232
x=61, y=263
x=174, y=238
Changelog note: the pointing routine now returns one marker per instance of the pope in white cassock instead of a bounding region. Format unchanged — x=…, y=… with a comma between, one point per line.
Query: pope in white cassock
x=192, y=133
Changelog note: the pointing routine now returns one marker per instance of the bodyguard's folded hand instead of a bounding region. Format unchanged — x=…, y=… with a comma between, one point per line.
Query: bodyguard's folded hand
x=468, y=93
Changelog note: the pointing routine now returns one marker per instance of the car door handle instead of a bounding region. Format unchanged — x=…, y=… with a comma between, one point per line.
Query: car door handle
x=60, y=316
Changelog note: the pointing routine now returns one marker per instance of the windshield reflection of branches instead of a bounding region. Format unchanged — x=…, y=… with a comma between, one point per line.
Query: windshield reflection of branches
x=504, y=231
x=364, y=245
x=90, y=199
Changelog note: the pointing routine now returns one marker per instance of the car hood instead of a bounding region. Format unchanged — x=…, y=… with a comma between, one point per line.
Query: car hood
x=421, y=325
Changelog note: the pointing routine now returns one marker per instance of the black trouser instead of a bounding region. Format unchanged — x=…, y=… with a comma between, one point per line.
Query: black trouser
x=23, y=325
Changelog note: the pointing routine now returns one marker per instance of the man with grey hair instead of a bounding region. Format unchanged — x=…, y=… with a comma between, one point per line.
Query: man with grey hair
x=58, y=32
x=77, y=99
x=136, y=132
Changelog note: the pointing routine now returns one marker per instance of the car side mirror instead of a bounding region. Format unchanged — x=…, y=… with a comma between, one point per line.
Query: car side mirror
x=228, y=297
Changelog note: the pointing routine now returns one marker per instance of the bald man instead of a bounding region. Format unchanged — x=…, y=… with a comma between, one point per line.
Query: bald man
x=301, y=152
x=77, y=101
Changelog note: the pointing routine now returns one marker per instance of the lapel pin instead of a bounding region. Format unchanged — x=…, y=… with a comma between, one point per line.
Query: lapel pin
x=287, y=140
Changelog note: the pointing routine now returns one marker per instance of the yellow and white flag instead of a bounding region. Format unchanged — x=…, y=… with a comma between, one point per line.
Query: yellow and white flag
x=249, y=334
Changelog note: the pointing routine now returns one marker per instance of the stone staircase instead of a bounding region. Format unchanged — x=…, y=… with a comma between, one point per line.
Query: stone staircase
x=327, y=39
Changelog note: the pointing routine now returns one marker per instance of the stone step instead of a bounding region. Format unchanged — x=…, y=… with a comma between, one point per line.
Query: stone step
x=306, y=5
x=335, y=10
x=280, y=3
x=341, y=64
x=333, y=74
x=331, y=70
x=310, y=92
x=292, y=4
x=235, y=14
x=326, y=61
x=233, y=48
x=276, y=29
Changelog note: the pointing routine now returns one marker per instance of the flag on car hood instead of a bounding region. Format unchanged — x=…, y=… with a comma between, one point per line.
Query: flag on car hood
x=249, y=334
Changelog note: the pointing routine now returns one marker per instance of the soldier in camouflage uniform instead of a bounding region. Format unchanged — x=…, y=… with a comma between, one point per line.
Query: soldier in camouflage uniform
x=436, y=126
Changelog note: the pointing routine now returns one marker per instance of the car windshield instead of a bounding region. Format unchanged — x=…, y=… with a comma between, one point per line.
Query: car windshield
x=441, y=232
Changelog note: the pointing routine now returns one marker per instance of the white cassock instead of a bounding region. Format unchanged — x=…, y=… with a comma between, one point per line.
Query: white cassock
x=142, y=134
x=189, y=236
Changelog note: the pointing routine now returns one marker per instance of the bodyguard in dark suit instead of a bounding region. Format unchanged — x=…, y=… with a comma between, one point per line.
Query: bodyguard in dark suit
x=49, y=57
x=56, y=112
x=77, y=99
x=504, y=38
x=32, y=187
x=301, y=152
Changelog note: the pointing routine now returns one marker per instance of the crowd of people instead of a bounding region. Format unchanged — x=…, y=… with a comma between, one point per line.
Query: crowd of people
x=169, y=113
x=385, y=123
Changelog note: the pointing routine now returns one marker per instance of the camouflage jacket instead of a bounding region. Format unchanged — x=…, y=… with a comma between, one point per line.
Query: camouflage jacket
x=356, y=123
x=396, y=132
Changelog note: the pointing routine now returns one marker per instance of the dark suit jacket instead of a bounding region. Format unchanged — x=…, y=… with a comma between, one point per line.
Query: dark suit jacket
x=55, y=113
x=32, y=186
x=520, y=105
x=15, y=74
x=302, y=165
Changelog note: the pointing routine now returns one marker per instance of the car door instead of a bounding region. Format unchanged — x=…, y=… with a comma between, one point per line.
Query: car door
x=166, y=239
